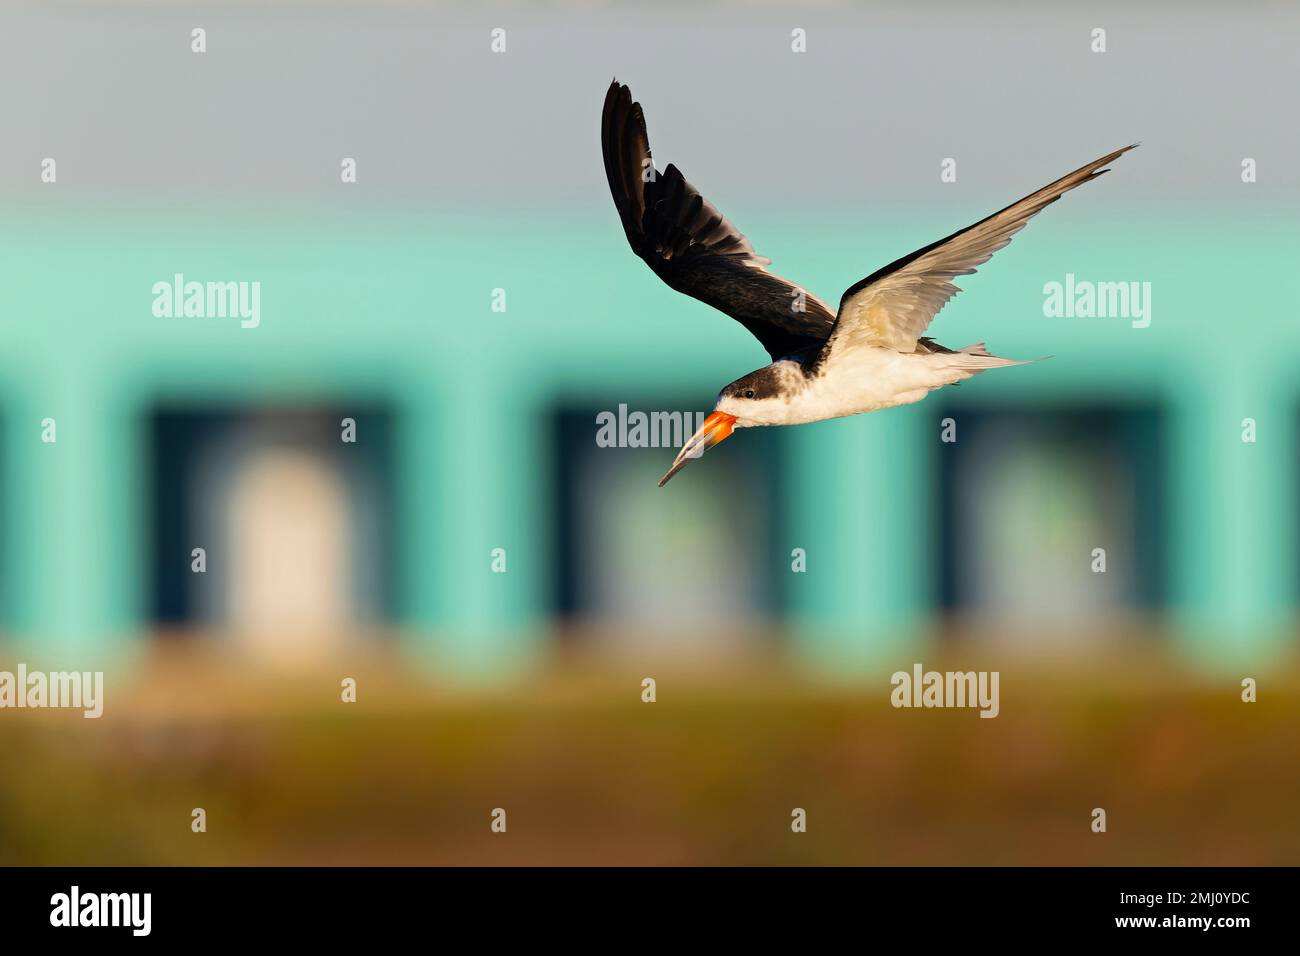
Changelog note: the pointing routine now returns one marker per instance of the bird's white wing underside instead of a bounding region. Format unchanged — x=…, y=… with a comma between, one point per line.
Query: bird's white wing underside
x=893, y=311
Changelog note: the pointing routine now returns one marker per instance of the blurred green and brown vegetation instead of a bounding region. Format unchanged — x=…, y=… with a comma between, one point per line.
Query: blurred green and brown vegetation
x=708, y=774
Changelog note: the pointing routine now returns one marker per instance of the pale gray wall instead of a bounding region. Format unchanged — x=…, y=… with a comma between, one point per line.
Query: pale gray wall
x=884, y=92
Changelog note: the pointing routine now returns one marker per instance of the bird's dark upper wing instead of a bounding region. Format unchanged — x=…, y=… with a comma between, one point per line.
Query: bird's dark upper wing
x=892, y=307
x=692, y=246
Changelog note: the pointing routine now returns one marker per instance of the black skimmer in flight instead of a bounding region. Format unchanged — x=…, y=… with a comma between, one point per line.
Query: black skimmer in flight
x=868, y=356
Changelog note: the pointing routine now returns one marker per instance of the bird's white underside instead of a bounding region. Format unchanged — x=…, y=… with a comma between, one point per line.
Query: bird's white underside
x=865, y=379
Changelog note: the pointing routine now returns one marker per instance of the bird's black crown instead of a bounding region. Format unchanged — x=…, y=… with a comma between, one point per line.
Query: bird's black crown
x=756, y=385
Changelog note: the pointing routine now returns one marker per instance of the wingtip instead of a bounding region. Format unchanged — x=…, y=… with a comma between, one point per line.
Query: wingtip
x=1101, y=166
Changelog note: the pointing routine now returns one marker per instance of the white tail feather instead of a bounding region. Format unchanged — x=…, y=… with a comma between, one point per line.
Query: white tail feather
x=977, y=357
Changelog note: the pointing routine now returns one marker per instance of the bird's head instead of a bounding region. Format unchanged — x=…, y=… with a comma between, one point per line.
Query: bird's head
x=742, y=404
x=751, y=399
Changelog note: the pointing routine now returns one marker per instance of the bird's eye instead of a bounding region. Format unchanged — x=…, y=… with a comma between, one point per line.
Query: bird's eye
x=749, y=393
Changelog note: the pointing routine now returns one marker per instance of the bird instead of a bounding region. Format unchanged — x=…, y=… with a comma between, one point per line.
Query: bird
x=867, y=355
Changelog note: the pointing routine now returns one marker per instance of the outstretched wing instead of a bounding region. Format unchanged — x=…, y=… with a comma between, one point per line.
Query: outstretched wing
x=692, y=247
x=892, y=307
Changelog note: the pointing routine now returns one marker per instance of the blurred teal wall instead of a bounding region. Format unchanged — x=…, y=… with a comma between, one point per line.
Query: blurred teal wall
x=397, y=308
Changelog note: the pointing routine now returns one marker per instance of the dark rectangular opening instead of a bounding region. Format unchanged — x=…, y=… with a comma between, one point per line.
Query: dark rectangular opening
x=296, y=522
x=694, y=556
x=1026, y=495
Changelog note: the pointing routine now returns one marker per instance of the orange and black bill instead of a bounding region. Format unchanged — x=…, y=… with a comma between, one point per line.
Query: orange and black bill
x=715, y=428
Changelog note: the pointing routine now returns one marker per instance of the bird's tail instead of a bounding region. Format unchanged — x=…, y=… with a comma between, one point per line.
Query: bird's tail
x=976, y=357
